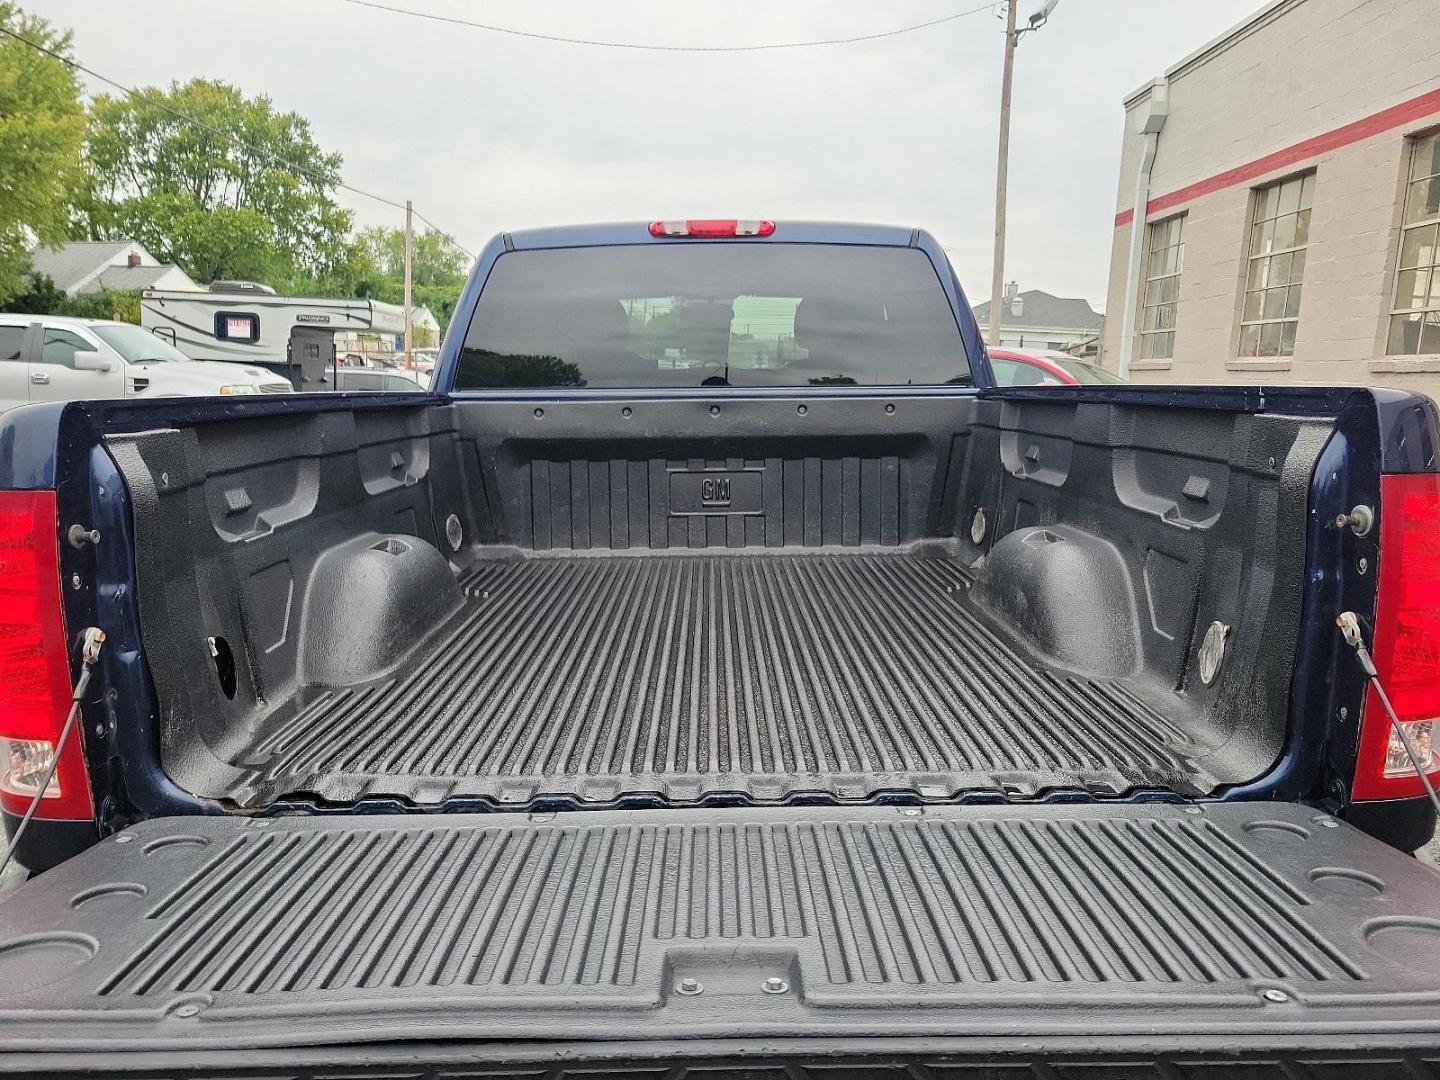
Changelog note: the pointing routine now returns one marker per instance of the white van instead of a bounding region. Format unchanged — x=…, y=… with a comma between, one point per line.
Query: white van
x=53, y=358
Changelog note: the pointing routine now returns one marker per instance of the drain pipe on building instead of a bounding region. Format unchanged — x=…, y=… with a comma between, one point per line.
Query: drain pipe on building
x=1148, y=118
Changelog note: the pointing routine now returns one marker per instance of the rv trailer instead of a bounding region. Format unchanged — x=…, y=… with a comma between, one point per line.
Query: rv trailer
x=293, y=336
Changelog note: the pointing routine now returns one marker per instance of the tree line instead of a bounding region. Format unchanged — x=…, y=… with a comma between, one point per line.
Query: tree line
x=247, y=193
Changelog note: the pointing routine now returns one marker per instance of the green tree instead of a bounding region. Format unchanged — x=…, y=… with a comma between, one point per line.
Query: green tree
x=437, y=269
x=42, y=297
x=257, y=203
x=42, y=125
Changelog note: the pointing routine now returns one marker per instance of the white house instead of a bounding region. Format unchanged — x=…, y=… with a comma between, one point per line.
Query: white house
x=121, y=265
x=1034, y=319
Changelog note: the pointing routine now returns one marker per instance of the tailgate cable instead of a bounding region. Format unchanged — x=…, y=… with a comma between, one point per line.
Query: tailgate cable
x=89, y=653
x=1350, y=630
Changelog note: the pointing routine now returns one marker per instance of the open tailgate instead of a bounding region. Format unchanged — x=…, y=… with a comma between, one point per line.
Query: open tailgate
x=979, y=931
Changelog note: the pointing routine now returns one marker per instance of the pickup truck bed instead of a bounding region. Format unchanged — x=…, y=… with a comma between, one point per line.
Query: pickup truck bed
x=468, y=601
x=687, y=675
x=1057, y=923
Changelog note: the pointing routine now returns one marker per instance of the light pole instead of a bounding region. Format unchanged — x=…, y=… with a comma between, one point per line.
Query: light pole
x=1002, y=165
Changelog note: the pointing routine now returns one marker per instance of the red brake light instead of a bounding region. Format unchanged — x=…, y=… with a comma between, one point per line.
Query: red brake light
x=1407, y=639
x=712, y=227
x=34, y=664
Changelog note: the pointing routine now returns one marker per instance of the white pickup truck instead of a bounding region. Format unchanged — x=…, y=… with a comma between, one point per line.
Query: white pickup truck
x=52, y=358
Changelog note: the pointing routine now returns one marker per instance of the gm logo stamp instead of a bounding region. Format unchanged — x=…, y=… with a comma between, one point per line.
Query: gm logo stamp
x=693, y=492
x=715, y=491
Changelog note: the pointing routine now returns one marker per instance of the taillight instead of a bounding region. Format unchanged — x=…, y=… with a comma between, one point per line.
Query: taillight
x=34, y=667
x=1407, y=640
x=712, y=227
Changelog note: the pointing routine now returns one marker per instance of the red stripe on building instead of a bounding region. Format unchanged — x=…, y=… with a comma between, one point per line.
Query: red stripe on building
x=1364, y=128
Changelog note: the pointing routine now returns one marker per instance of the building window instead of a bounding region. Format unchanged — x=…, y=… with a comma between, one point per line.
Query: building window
x=1415, y=322
x=1166, y=244
x=1279, y=230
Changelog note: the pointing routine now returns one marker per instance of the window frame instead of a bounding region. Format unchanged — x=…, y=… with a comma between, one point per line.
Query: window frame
x=1429, y=309
x=1269, y=198
x=1146, y=336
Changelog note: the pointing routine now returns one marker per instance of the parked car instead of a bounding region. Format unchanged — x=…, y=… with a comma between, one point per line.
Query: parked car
x=721, y=674
x=54, y=358
x=1044, y=367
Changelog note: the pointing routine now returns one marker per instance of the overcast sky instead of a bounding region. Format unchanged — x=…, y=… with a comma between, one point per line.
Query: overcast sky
x=489, y=132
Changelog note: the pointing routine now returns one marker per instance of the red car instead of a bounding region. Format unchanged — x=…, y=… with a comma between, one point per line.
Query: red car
x=1041, y=367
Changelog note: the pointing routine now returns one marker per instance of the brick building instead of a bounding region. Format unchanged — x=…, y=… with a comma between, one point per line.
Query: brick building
x=1286, y=183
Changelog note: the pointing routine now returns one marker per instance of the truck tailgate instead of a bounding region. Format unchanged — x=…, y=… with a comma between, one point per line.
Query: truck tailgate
x=1153, y=925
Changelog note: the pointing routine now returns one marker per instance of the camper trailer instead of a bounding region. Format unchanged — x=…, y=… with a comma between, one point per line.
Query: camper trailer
x=247, y=323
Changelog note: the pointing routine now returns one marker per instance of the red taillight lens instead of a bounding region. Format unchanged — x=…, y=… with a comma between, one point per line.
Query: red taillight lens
x=712, y=227
x=34, y=667
x=1407, y=639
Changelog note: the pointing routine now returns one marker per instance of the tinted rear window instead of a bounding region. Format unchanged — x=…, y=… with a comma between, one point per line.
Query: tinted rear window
x=721, y=314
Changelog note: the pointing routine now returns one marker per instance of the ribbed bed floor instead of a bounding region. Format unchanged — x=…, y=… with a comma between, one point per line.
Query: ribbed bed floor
x=766, y=675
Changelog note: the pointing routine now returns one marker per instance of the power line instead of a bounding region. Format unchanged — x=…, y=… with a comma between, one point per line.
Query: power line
x=639, y=47
x=227, y=135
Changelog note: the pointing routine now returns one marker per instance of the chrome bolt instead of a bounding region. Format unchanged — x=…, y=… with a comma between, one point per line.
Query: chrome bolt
x=801, y=409
x=1344, y=713
x=541, y=818
x=1276, y=996
x=539, y=413
x=910, y=811
x=188, y=1011
x=164, y=479
x=714, y=410
x=1193, y=810
x=1363, y=565
x=260, y=823
x=688, y=986
x=123, y=839
x=889, y=408
x=775, y=985
x=75, y=582
x=99, y=729
x=1326, y=822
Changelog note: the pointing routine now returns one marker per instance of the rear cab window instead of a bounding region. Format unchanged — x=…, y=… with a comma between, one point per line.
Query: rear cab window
x=712, y=314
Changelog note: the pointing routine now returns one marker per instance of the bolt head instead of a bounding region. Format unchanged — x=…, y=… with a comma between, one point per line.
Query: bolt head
x=123, y=839
x=910, y=811
x=1276, y=996
x=775, y=985
x=689, y=986
x=188, y=1010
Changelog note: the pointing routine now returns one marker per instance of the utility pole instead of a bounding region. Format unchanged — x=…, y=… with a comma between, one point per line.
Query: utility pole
x=409, y=259
x=1002, y=165
x=1002, y=170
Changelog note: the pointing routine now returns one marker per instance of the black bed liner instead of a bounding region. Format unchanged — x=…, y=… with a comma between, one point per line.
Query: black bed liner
x=1052, y=923
x=686, y=675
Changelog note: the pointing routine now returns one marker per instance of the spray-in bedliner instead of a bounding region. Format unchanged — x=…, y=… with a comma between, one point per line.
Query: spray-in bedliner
x=687, y=676
x=1051, y=923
